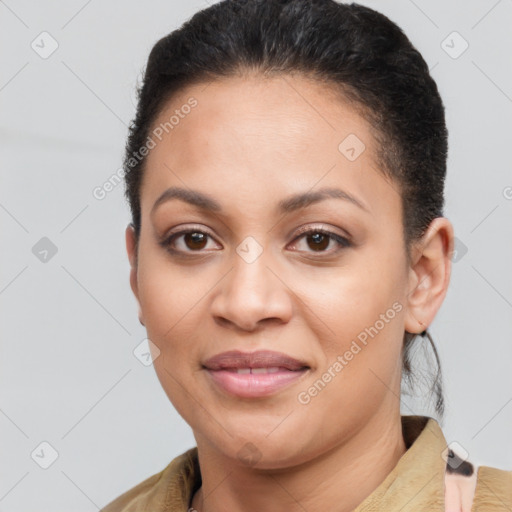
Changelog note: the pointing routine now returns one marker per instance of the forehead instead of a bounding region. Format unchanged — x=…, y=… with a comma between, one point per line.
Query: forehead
x=265, y=137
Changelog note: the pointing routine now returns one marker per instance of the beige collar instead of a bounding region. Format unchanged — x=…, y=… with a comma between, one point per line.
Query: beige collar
x=415, y=483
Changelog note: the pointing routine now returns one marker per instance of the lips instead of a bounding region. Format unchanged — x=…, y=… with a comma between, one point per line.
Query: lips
x=266, y=369
x=235, y=360
x=254, y=374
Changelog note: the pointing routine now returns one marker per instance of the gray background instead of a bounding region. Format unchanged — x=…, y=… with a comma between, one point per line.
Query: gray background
x=69, y=325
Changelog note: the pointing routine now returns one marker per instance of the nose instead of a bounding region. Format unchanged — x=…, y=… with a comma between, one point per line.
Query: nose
x=252, y=294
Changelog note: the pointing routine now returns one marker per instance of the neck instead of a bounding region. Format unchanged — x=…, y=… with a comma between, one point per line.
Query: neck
x=339, y=479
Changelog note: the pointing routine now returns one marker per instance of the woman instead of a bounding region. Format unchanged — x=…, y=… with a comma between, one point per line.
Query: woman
x=285, y=173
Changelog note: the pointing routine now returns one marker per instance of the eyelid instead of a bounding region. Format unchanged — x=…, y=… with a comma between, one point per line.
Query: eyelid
x=182, y=230
x=322, y=227
x=188, y=227
x=342, y=240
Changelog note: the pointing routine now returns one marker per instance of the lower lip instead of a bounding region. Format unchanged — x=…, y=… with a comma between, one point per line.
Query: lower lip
x=252, y=385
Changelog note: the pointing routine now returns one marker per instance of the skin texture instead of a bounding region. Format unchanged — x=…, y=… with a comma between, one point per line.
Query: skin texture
x=249, y=143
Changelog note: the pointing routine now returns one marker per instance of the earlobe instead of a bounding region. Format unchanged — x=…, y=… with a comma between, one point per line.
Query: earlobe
x=429, y=275
x=132, y=249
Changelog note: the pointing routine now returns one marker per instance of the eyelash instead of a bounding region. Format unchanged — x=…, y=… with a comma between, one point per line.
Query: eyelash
x=343, y=242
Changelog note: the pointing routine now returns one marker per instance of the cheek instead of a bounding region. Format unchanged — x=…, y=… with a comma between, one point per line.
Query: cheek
x=353, y=298
x=171, y=305
x=170, y=295
x=361, y=366
x=361, y=327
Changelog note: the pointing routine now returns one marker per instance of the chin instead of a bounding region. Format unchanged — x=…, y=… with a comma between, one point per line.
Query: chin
x=271, y=458
x=255, y=449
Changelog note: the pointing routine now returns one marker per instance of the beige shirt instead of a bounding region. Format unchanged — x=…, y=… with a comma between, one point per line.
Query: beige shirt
x=427, y=478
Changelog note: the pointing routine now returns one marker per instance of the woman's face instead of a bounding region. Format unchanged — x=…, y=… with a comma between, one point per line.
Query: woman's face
x=251, y=280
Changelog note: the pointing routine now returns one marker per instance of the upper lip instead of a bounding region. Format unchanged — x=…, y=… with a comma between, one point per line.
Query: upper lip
x=258, y=359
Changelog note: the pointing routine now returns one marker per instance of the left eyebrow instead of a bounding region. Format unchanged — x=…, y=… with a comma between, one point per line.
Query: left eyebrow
x=302, y=200
x=290, y=204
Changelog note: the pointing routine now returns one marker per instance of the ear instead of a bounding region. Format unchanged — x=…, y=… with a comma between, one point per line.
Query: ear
x=429, y=275
x=132, y=249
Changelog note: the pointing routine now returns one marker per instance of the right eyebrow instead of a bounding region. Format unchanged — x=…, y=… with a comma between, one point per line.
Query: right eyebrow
x=193, y=197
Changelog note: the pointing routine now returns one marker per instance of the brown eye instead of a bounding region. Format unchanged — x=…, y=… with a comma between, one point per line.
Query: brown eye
x=189, y=240
x=318, y=240
x=195, y=240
